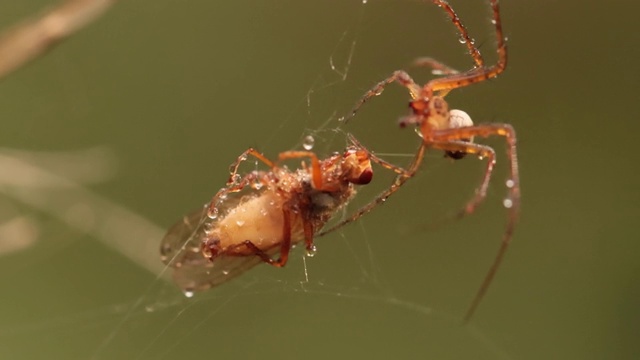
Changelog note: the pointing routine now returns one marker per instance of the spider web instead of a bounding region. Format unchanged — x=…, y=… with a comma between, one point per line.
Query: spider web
x=357, y=288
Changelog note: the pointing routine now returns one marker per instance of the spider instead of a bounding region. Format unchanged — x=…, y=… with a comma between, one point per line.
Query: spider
x=235, y=231
x=453, y=131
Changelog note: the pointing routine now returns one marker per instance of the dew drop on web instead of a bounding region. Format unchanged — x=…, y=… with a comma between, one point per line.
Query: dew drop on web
x=308, y=142
x=312, y=251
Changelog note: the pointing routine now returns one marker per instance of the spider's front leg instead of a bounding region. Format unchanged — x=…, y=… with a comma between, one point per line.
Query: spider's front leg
x=479, y=72
x=399, y=76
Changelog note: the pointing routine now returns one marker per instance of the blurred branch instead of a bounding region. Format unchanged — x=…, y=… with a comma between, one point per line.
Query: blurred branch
x=32, y=38
x=121, y=229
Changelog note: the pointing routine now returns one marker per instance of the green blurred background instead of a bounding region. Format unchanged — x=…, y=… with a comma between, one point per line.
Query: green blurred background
x=165, y=94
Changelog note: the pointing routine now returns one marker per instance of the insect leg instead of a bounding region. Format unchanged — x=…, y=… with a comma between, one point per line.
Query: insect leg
x=285, y=246
x=316, y=172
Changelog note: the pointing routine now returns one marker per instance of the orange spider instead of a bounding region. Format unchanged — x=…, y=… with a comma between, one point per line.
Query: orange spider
x=453, y=131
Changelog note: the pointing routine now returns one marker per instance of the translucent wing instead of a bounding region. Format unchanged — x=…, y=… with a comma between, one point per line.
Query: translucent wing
x=180, y=249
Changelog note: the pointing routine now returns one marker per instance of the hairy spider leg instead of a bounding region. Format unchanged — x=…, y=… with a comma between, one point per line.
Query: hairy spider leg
x=480, y=72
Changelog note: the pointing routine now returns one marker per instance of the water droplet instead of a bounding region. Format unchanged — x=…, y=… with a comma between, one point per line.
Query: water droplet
x=308, y=142
x=240, y=223
x=212, y=213
x=493, y=21
x=481, y=157
x=378, y=91
x=312, y=251
x=462, y=39
x=364, y=1
x=225, y=272
x=188, y=293
x=510, y=183
x=508, y=203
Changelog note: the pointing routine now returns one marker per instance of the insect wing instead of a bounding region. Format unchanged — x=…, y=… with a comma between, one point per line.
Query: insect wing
x=181, y=239
x=180, y=249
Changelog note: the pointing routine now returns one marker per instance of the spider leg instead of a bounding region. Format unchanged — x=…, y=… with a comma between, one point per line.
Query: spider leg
x=480, y=72
x=385, y=164
x=285, y=246
x=382, y=197
x=481, y=151
x=437, y=67
x=464, y=34
x=513, y=184
x=400, y=76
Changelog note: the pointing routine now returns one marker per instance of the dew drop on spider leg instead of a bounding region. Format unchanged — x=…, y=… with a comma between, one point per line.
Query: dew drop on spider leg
x=188, y=293
x=463, y=40
x=308, y=142
x=508, y=203
x=510, y=183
